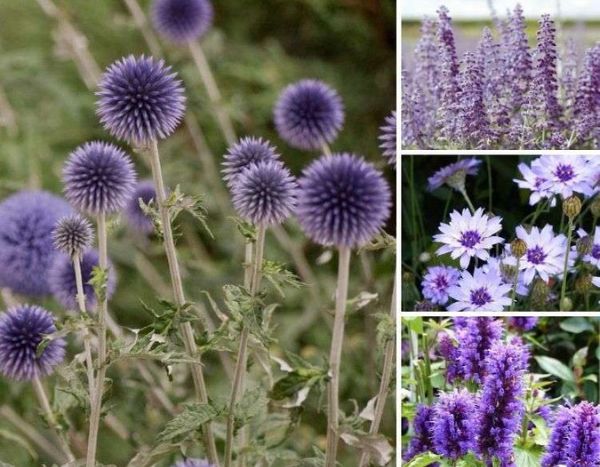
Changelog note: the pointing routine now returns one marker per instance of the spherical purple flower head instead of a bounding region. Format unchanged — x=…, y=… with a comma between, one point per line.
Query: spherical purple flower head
x=422, y=440
x=583, y=446
x=265, y=193
x=481, y=291
x=27, y=220
x=388, y=138
x=72, y=235
x=21, y=330
x=99, y=178
x=193, y=463
x=245, y=152
x=522, y=323
x=140, y=100
x=342, y=200
x=454, y=174
x=182, y=20
x=477, y=336
x=436, y=282
x=309, y=114
x=559, y=437
x=454, y=424
x=134, y=215
x=61, y=278
x=468, y=235
x=501, y=405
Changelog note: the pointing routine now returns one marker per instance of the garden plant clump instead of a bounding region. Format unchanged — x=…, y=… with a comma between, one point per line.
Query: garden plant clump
x=488, y=253
x=483, y=391
x=177, y=308
x=505, y=92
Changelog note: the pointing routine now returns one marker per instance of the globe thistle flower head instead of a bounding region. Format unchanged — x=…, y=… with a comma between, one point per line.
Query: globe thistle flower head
x=246, y=151
x=26, y=247
x=137, y=219
x=140, y=100
x=72, y=235
x=21, y=330
x=309, y=114
x=190, y=462
x=454, y=174
x=388, y=139
x=63, y=285
x=99, y=178
x=480, y=291
x=422, y=437
x=454, y=424
x=342, y=200
x=437, y=281
x=182, y=21
x=265, y=193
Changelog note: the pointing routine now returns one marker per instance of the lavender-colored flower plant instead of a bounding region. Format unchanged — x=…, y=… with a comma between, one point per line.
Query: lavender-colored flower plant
x=182, y=21
x=448, y=86
x=583, y=445
x=518, y=58
x=422, y=440
x=388, y=138
x=246, y=151
x=73, y=235
x=587, y=98
x=472, y=124
x=137, y=219
x=475, y=338
x=437, y=281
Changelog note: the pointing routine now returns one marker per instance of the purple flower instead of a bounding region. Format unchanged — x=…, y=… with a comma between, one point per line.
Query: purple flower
x=140, y=100
x=61, y=278
x=468, y=236
x=583, y=447
x=388, y=138
x=567, y=175
x=72, y=235
x=534, y=180
x=522, y=323
x=422, y=437
x=309, y=114
x=342, y=200
x=517, y=59
x=190, y=462
x=454, y=424
x=245, y=152
x=137, y=219
x=27, y=220
x=480, y=291
x=265, y=193
x=502, y=406
x=99, y=178
x=21, y=330
x=454, y=174
x=472, y=124
x=474, y=339
x=182, y=21
x=416, y=119
x=427, y=61
x=545, y=253
x=448, y=349
x=448, y=86
x=436, y=282
x=561, y=429
x=587, y=98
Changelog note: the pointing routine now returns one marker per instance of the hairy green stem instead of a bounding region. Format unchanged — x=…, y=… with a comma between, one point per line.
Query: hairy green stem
x=468, y=200
x=514, y=288
x=563, y=288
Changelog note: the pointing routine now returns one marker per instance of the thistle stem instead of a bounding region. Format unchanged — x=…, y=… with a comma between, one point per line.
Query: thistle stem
x=42, y=397
x=563, y=288
x=186, y=328
x=335, y=356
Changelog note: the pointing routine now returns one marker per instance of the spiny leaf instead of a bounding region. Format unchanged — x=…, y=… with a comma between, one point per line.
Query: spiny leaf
x=99, y=281
x=280, y=277
x=192, y=418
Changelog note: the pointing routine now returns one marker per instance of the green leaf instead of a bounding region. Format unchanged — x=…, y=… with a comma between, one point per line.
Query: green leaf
x=192, y=418
x=280, y=277
x=99, y=281
x=580, y=357
x=14, y=438
x=422, y=460
x=528, y=457
x=541, y=433
x=576, y=325
x=415, y=324
x=469, y=461
x=252, y=403
x=556, y=368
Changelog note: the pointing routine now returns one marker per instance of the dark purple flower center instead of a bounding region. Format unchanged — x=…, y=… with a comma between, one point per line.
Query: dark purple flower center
x=470, y=238
x=564, y=172
x=539, y=182
x=536, y=255
x=480, y=297
x=441, y=282
x=596, y=251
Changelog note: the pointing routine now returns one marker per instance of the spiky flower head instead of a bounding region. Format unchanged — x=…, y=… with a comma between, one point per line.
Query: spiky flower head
x=182, y=21
x=475, y=337
x=265, y=193
x=246, y=151
x=99, y=178
x=190, y=462
x=21, y=330
x=388, y=138
x=27, y=220
x=422, y=440
x=137, y=219
x=63, y=285
x=342, y=200
x=140, y=100
x=309, y=114
x=73, y=234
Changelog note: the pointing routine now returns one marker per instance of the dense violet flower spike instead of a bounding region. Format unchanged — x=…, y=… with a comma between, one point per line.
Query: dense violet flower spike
x=518, y=58
x=309, y=114
x=99, y=178
x=182, y=21
x=561, y=429
x=190, y=462
x=448, y=86
x=342, y=200
x=265, y=193
x=454, y=174
x=246, y=151
x=472, y=124
x=475, y=338
x=137, y=219
x=437, y=281
x=454, y=424
x=587, y=98
x=468, y=236
x=422, y=438
x=72, y=235
x=21, y=330
x=583, y=445
x=140, y=100
x=388, y=138
x=522, y=323
x=427, y=61
x=63, y=286
x=448, y=349
x=27, y=220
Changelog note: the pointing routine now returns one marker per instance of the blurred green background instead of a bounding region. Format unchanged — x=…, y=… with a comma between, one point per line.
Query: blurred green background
x=255, y=48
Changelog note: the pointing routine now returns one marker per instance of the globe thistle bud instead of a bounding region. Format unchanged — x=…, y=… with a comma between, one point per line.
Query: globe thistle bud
x=193, y=463
x=136, y=218
x=388, y=139
x=99, y=178
x=539, y=294
x=72, y=235
x=181, y=21
x=583, y=283
x=566, y=304
x=595, y=206
x=584, y=245
x=518, y=247
x=572, y=206
x=342, y=201
x=246, y=151
x=309, y=114
x=21, y=331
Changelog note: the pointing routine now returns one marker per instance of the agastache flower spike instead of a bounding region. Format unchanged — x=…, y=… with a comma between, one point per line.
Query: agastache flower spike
x=475, y=338
x=422, y=440
x=472, y=124
x=454, y=424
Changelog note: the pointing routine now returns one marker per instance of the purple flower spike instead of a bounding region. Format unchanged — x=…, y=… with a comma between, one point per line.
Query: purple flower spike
x=448, y=86
x=561, y=429
x=135, y=217
x=243, y=153
x=587, y=98
x=522, y=323
x=193, y=463
x=309, y=114
x=99, y=178
x=27, y=220
x=21, y=330
x=583, y=447
x=518, y=58
x=265, y=193
x=472, y=125
x=475, y=339
x=182, y=21
x=422, y=439
x=388, y=139
x=342, y=200
x=140, y=100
